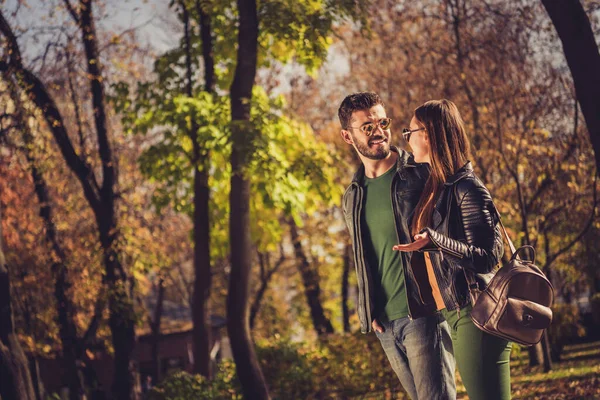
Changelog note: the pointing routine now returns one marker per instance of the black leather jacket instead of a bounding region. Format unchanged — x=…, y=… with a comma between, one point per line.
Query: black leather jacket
x=406, y=189
x=466, y=237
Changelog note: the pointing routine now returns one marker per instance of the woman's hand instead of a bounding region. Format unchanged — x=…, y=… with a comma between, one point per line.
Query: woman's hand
x=421, y=240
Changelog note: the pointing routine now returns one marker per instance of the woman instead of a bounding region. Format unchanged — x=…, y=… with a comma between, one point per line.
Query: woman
x=455, y=224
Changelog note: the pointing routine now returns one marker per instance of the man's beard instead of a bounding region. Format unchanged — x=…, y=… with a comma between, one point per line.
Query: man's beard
x=378, y=153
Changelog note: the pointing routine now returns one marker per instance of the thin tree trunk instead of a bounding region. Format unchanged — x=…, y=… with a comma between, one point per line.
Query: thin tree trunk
x=256, y=303
x=546, y=353
x=202, y=267
x=64, y=305
x=581, y=52
x=101, y=198
x=266, y=273
x=534, y=352
x=155, y=327
x=247, y=367
x=122, y=315
x=536, y=355
x=207, y=48
x=36, y=379
x=345, y=275
x=65, y=308
x=312, y=288
x=15, y=378
x=455, y=8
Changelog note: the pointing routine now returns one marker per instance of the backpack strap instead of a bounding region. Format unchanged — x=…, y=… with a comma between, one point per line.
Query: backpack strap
x=473, y=285
x=513, y=250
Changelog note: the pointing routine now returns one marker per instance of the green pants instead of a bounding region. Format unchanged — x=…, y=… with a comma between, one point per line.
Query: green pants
x=483, y=360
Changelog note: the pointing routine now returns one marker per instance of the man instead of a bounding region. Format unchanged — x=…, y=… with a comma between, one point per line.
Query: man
x=394, y=296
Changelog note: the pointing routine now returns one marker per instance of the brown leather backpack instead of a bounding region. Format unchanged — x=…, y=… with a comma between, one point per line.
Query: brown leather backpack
x=516, y=303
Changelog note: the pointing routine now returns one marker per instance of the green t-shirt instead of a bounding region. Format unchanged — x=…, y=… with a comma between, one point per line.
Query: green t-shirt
x=379, y=236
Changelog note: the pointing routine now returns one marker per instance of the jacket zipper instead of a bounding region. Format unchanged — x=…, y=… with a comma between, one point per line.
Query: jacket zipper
x=449, y=251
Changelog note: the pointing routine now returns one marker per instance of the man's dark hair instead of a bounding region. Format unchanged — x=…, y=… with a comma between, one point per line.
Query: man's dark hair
x=356, y=102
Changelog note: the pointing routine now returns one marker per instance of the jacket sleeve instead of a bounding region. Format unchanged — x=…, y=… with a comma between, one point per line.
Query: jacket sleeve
x=346, y=212
x=482, y=249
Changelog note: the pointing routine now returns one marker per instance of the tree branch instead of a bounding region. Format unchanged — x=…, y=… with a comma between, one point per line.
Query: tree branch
x=72, y=11
x=265, y=278
x=37, y=92
x=88, y=32
x=551, y=259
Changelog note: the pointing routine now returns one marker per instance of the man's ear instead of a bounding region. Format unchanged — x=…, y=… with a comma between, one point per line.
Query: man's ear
x=346, y=136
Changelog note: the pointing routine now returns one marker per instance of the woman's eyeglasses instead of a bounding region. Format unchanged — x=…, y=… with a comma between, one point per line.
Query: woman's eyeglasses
x=368, y=129
x=407, y=132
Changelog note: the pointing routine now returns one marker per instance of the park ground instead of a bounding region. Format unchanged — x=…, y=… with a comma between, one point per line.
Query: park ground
x=577, y=376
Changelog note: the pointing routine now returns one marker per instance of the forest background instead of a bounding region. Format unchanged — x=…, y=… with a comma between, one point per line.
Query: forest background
x=177, y=167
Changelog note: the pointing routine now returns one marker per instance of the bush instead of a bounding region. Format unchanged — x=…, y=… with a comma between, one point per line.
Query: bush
x=182, y=386
x=566, y=325
x=353, y=365
x=287, y=369
x=337, y=366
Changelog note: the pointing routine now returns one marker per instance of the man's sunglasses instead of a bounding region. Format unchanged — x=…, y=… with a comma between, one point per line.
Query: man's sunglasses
x=368, y=129
x=407, y=132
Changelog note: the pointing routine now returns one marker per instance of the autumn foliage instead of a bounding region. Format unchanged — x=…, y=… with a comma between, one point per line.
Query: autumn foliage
x=137, y=179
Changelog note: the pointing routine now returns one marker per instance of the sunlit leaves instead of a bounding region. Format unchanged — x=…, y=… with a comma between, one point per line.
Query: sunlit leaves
x=289, y=30
x=290, y=171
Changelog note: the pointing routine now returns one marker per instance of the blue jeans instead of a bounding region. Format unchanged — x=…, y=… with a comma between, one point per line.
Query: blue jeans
x=420, y=352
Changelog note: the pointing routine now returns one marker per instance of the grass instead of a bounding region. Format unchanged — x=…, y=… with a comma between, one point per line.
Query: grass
x=577, y=376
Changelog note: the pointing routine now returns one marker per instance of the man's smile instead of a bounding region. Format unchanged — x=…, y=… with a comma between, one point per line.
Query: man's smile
x=377, y=140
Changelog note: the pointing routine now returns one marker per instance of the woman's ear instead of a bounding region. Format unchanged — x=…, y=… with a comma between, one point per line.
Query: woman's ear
x=346, y=136
x=425, y=136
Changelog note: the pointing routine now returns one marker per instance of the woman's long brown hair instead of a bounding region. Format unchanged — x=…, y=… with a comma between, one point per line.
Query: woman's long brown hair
x=449, y=150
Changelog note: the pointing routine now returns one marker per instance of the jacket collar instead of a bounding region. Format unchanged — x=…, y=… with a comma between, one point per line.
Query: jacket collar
x=405, y=159
x=466, y=170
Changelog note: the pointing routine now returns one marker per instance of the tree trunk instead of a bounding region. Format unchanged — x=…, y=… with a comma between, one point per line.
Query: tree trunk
x=345, y=275
x=64, y=305
x=36, y=379
x=207, y=48
x=312, y=288
x=122, y=315
x=15, y=379
x=247, y=367
x=536, y=355
x=202, y=268
x=581, y=51
x=546, y=353
x=155, y=327
x=100, y=197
